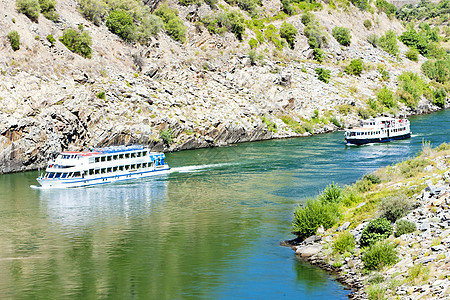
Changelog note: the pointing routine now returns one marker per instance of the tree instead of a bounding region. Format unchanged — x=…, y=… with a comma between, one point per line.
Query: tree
x=30, y=8
x=342, y=35
x=288, y=32
x=121, y=23
x=14, y=40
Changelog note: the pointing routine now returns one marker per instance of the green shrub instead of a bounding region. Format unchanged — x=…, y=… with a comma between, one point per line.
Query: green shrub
x=232, y=21
x=376, y=292
x=367, y=23
x=101, y=95
x=342, y=35
x=48, y=9
x=288, y=32
x=344, y=242
x=173, y=24
x=316, y=38
x=121, y=23
x=51, y=39
x=308, y=18
x=439, y=97
x=388, y=42
x=438, y=70
x=212, y=3
x=376, y=230
x=287, y=7
x=271, y=126
x=411, y=87
x=30, y=8
x=373, y=39
x=373, y=178
x=318, y=54
x=314, y=214
x=77, y=41
x=355, y=67
x=386, y=97
x=350, y=196
x=14, y=40
x=253, y=43
x=412, y=167
x=412, y=55
x=187, y=2
x=251, y=6
x=361, y=4
x=271, y=34
x=150, y=26
x=388, y=8
x=331, y=194
x=379, y=255
x=404, y=227
x=291, y=123
x=414, y=40
x=324, y=74
x=394, y=207
x=93, y=10
x=418, y=274
x=166, y=136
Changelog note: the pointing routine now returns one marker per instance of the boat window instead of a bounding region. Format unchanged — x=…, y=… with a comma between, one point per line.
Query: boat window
x=50, y=175
x=120, y=156
x=108, y=170
x=133, y=155
x=121, y=168
x=97, y=159
x=103, y=171
x=97, y=171
x=103, y=158
x=76, y=174
x=133, y=166
x=63, y=175
x=139, y=154
x=127, y=155
x=91, y=171
x=144, y=153
x=57, y=175
x=127, y=167
x=115, y=157
x=108, y=158
x=138, y=166
x=115, y=169
x=144, y=165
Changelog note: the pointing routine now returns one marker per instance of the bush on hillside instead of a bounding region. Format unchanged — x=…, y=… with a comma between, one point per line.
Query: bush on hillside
x=188, y=2
x=361, y=4
x=232, y=21
x=121, y=23
x=438, y=70
x=404, y=227
x=373, y=39
x=324, y=75
x=388, y=42
x=287, y=7
x=373, y=178
x=14, y=40
x=331, y=194
x=172, y=23
x=380, y=255
x=316, y=38
x=376, y=230
x=386, y=7
x=48, y=9
x=315, y=213
x=308, y=18
x=30, y=8
x=288, y=32
x=412, y=55
x=367, y=23
x=250, y=6
x=166, y=136
x=253, y=43
x=318, y=54
x=394, y=207
x=386, y=98
x=93, y=10
x=414, y=40
x=355, y=67
x=150, y=26
x=344, y=242
x=51, y=39
x=411, y=87
x=342, y=35
x=439, y=97
x=77, y=41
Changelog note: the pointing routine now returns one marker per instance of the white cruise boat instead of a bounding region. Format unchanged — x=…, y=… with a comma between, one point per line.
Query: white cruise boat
x=378, y=130
x=102, y=165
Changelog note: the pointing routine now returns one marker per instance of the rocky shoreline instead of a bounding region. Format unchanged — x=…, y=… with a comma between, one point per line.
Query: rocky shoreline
x=427, y=248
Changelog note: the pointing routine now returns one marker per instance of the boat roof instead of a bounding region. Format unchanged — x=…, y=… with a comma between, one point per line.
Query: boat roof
x=109, y=150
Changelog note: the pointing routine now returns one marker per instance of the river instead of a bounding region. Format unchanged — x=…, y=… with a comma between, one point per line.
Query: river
x=208, y=230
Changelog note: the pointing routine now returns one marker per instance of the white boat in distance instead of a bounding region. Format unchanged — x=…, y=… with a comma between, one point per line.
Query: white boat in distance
x=102, y=165
x=378, y=130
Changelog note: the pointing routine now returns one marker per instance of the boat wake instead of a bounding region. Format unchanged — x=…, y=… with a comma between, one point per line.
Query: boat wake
x=198, y=168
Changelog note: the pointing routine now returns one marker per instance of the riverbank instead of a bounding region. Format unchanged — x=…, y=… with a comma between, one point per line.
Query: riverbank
x=416, y=191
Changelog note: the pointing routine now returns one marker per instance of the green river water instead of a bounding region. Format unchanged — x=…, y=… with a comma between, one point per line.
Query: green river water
x=209, y=230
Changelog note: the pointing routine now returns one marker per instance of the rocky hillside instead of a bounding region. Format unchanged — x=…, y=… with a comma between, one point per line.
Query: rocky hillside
x=208, y=91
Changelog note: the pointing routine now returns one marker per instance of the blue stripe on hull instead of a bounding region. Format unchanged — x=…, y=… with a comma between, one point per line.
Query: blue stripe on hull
x=377, y=140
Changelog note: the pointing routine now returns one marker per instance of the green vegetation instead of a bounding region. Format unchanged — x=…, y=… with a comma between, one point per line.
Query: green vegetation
x=121, y=23
x=331, y=194
x=380, y=255
x=77, y=41
x=271, y=34
x=250, y=6
x=94, y=10
x=355, y=67
x=232, y=21
x=424, y=10
x=386, y=7
x=253, y=43
x=288, y=32
x=30, y=8
x=271, y=126
x=388, y=42
x=439, y=96
x=367, y=23
x=315, y=213
x=419, y=274
x=323, y=74
x=51, y=39
x=342, y=35
x=411, y=87
x=101, y=95
x=412, y=55
x=377, y=230
x=14, y=40
x=255, y=57
x=150, y=26
x=394, y=207
x=438, y=70
x=166, y=136
x=373, y=39
x=386, y=98
x=344, y=242
x=404, y=227
x=316, y=38
x=372, y=178
x=48, y=9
